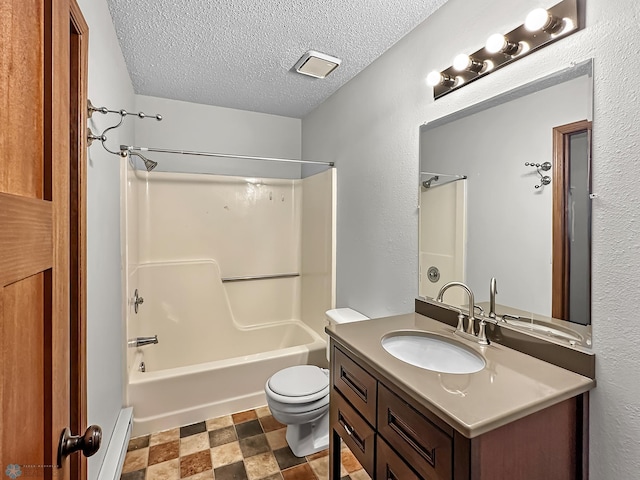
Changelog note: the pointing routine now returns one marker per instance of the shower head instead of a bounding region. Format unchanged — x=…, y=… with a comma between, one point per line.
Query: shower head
x=148, y=164
x=427, y=183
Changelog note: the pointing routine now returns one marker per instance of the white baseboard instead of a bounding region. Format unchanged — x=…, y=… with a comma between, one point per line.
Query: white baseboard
x=111, y=468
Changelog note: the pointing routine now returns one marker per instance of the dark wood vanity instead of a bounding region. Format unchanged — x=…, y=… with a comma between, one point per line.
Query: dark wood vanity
x=398, y=437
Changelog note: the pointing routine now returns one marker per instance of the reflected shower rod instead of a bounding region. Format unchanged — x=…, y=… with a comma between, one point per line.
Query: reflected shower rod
x=132, y=148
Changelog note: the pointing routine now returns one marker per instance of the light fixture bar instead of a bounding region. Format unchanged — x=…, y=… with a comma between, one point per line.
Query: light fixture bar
x=561, y=20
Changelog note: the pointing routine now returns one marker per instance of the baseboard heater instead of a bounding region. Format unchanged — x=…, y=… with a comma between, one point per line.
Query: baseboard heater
x=116, y=451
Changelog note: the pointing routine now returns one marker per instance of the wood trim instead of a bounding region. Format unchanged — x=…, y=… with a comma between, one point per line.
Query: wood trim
x=461, y=457
x=559, y=263
x=29, y=221
x=79, y=66
x=560, y=242
x=2, y=393
x=583, y=435
x=56, y=141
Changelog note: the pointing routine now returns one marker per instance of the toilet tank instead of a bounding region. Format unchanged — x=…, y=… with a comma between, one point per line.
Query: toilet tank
x=337, y=316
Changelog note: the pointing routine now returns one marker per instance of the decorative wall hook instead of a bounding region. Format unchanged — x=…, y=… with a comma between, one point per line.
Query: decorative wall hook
x=92, y=136
x=540, y=167
x=104, y=110
x=102, y=137
x=544, y=180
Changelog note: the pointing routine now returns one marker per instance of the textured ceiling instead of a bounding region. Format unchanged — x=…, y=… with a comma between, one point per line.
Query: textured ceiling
x=240, y=53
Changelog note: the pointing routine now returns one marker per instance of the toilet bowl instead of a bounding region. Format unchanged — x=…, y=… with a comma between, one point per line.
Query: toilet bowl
x=299, y=397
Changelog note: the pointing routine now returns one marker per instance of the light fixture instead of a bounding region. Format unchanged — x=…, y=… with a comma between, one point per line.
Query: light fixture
x=540, y=19
x=498, y=43
x=541, y=27
x=316, y=64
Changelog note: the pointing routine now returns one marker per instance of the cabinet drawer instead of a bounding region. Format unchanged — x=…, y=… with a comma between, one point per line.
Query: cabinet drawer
x=389, y=466
x=423, y=445
x=355, y=384
x=356, y=433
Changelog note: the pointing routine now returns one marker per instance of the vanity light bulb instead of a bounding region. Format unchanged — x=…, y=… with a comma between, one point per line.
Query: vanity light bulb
x=461, y=62
x=434, y=78
x=464, y=62
x=496, y=43
x=541, y=19
x=537, y=19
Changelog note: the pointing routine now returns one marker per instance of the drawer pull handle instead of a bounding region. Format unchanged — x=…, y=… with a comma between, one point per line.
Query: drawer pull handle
x=354, y=384
x=351, y=431
x=409, y=436
x=390, y=474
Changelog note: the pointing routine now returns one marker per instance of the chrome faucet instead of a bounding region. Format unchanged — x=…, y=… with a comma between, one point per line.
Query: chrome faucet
x=469, y=334
x=493, y=289
x=472, y=304
x=142, y=341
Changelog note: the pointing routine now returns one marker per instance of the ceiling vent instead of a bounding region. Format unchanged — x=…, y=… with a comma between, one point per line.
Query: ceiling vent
x=316, y=64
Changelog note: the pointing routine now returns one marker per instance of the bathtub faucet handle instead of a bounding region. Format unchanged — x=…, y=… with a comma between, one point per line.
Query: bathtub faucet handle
x=137, y=301
x=142, y=341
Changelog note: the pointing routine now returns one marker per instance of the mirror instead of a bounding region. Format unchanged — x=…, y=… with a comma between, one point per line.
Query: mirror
x=505, y=193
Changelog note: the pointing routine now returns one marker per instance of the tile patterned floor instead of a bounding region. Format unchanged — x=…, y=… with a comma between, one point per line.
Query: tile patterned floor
x=248, y=445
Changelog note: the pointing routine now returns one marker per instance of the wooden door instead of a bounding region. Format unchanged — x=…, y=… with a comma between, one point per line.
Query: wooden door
x=41, y=233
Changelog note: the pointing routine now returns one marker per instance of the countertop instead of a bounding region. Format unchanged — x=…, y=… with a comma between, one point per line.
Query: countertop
x=511, y=386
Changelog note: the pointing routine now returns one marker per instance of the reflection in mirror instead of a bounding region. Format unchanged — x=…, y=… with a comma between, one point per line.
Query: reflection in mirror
x=504, y=192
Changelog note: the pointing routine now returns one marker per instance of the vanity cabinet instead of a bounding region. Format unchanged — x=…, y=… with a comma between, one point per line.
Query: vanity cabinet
x=396, y=437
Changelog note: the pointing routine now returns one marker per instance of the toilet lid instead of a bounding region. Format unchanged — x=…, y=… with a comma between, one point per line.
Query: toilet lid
x=299, y=381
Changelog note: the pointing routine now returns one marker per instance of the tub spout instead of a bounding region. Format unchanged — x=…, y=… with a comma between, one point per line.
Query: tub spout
x=141, y=341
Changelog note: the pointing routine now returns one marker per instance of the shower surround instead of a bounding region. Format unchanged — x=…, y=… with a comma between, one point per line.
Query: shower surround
x=186, y=235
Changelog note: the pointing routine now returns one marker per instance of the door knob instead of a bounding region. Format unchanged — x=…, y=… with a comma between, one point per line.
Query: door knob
x=89, y=443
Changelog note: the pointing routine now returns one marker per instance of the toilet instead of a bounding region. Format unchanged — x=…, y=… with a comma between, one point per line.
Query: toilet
x=299, y=397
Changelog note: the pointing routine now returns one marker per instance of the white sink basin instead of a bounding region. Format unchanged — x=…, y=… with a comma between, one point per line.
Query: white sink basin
x=432, y=352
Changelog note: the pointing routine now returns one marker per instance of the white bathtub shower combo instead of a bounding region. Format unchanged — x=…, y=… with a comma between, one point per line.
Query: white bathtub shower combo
x=236, y=274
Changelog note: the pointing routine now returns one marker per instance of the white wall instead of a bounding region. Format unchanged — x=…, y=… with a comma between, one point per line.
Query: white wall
x=196, y=127
x=370, y=128
x=109, y=85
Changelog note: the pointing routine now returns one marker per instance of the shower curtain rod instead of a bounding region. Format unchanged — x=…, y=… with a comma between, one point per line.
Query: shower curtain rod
x=132, y=148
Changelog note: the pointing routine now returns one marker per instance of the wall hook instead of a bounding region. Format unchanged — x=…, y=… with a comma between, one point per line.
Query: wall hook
x=541, y=167
x=544, y=180
x=92, y=136
x=103, y=136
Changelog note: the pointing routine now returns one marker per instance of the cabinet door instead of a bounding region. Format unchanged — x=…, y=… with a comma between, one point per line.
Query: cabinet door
x=355, y=384
x=423, y=445
x=389, y=466
x=354, y=431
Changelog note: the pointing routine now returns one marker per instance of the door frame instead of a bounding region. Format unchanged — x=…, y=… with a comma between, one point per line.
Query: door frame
x=561, y=246
x=78, y=113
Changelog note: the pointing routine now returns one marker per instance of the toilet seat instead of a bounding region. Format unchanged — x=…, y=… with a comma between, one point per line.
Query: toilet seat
x=298, y=384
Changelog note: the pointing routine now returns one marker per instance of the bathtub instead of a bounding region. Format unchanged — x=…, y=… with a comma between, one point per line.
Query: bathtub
x=180, y=395
x=206, y=363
